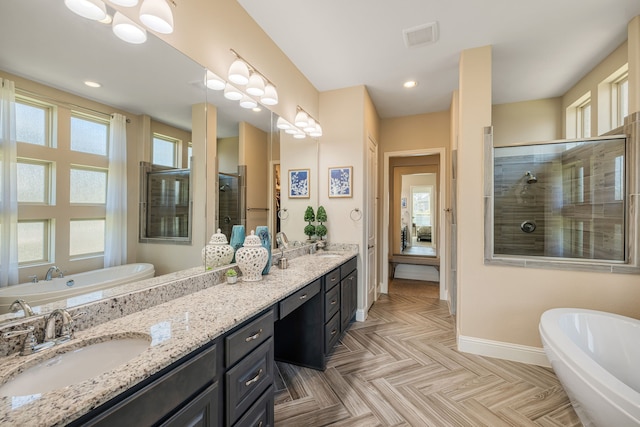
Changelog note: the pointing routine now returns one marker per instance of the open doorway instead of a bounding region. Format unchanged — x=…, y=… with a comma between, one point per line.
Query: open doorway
x=415, y=221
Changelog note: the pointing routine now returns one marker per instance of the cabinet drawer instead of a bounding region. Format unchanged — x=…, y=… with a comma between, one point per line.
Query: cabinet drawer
x=150, y=404
x=261, y=413
x=246, y=381
x=331, y=279
x=202, y=411
x=331, y=303
x=244, y=340
x=348, y=267
x=296, y=300
x=331, y=333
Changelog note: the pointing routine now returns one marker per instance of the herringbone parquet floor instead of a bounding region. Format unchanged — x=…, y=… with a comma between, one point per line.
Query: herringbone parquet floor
x=401, y=368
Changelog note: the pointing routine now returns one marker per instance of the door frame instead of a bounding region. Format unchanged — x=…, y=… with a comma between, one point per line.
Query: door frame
x=442, y=244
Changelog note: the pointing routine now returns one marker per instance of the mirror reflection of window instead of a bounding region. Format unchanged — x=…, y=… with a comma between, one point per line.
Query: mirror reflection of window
x=165, y=151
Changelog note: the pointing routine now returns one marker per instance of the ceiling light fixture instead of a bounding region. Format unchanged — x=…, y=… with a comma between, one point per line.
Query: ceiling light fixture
x=90, y=9
x=127, y=30
x=241, y=72
x=157, y=15
x=307, y=123
x=92, y=84
x=410, y=84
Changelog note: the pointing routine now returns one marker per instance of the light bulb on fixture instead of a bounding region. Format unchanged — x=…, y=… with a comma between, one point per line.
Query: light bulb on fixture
x=127, y=30
x=299, y=135
x=270, y=96
x=291, y=131
x=232, y=93
x=238, y=72
x=248, y=102
x=255, y=86
x=317, y=132
x=302, y=118
x=214, y=82
x=156, y=14
x=90, y=9
x=311, y=125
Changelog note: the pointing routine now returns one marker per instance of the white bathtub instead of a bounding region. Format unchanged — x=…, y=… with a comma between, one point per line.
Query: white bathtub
x=46, y=291
x=596, y=356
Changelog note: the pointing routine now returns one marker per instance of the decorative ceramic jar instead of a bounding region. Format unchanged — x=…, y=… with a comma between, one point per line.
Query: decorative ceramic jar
x=251, y=258
x=217, y=252
x=265, y=238
x=237, y=238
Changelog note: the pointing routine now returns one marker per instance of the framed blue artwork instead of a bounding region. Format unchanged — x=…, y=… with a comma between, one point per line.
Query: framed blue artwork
x=340, y=181
x=298, y=183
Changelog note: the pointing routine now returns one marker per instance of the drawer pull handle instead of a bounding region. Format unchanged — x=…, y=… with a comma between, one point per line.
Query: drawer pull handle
x=303, y=296
x=254, y=379
x=254, y=336
x=260, y=423
x=333, y=279
x=334, y=332
x=334, y=301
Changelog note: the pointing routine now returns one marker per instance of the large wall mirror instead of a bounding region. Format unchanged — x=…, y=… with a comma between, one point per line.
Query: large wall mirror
x=160, y=90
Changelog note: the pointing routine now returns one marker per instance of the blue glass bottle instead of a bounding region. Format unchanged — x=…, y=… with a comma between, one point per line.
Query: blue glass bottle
x=265, y=238
x=237, y=239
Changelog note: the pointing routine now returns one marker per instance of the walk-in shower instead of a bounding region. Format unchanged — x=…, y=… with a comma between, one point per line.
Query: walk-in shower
x=228, y=203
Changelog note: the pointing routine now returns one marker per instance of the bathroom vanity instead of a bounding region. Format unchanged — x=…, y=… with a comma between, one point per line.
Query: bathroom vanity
x=212, y=353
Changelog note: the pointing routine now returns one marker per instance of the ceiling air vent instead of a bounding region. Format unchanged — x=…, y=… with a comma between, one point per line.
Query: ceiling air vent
x=421, y=35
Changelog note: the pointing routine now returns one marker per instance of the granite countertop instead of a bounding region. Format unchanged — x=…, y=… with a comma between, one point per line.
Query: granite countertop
x=176, y=328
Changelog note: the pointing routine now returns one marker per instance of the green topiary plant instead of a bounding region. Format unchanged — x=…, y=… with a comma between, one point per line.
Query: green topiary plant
x=309, y=216
x=321, y=230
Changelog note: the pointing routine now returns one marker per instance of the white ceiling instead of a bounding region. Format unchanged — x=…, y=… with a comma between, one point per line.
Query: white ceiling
x=540, y=48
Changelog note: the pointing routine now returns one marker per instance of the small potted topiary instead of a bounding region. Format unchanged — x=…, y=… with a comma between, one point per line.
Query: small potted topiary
x=321, y=229
x=232, y=276
x=309, y=229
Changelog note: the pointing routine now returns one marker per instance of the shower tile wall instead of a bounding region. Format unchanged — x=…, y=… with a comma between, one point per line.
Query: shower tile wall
x=574, y=203
x=228, y=200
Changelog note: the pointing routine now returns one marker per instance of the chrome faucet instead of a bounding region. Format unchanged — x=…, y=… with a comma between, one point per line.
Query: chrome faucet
x=30, y=344
x=21, y=304
x=312, y=249
x=51, y=270
x=50, y=329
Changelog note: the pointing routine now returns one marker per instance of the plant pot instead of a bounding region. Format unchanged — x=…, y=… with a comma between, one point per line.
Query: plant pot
x=232, y=279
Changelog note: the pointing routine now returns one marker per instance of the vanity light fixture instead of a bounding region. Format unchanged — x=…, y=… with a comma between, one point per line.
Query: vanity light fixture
x=91, y=9
x=241, y=72
x=282, y=124
x=157, y=15
x=248, y=102
x=214, y=82
x=299, y=135
x=127, y=30
x=232, y=93
x=255, y=86
x=307, y=123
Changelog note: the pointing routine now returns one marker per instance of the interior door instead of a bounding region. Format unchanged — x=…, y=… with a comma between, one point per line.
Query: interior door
x=372, y=223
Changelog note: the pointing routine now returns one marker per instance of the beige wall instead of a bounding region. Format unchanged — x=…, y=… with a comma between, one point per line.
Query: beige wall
x=527, y=121
x=228, y=154
x=253, y=155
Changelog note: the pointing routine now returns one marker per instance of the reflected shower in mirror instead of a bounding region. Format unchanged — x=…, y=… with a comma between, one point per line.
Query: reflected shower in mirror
x=563, y=199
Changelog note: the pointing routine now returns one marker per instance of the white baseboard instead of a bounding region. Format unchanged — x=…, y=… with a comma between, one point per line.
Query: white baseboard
x=503, y=350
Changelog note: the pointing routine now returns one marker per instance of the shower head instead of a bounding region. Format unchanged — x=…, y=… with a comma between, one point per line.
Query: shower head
x=531, y=178
x=225, y=187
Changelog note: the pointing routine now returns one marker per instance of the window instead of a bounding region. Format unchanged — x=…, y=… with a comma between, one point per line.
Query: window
x=165, y=151
x=86, y=237
x=33, y=241
x=33, y=181
x=89, y=135
x=88, y=186
x=189, y=155
x=32, y=122
x=584, y=120
x=421, y=199
x=620, y=95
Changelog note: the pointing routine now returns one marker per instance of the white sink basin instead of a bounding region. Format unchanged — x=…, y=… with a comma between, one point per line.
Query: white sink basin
x=327, y=255
x=56, y=371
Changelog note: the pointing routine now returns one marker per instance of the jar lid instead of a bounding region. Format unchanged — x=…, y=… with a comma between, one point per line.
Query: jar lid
x=218, y=239
x=252, y=240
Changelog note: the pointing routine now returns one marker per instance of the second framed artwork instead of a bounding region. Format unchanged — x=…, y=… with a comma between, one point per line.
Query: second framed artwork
x=341, y=181
x=298, y=183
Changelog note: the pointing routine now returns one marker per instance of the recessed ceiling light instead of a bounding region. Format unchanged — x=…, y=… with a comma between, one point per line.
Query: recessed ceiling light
x=410, y=84
x=92, y=84
x=257, y=109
